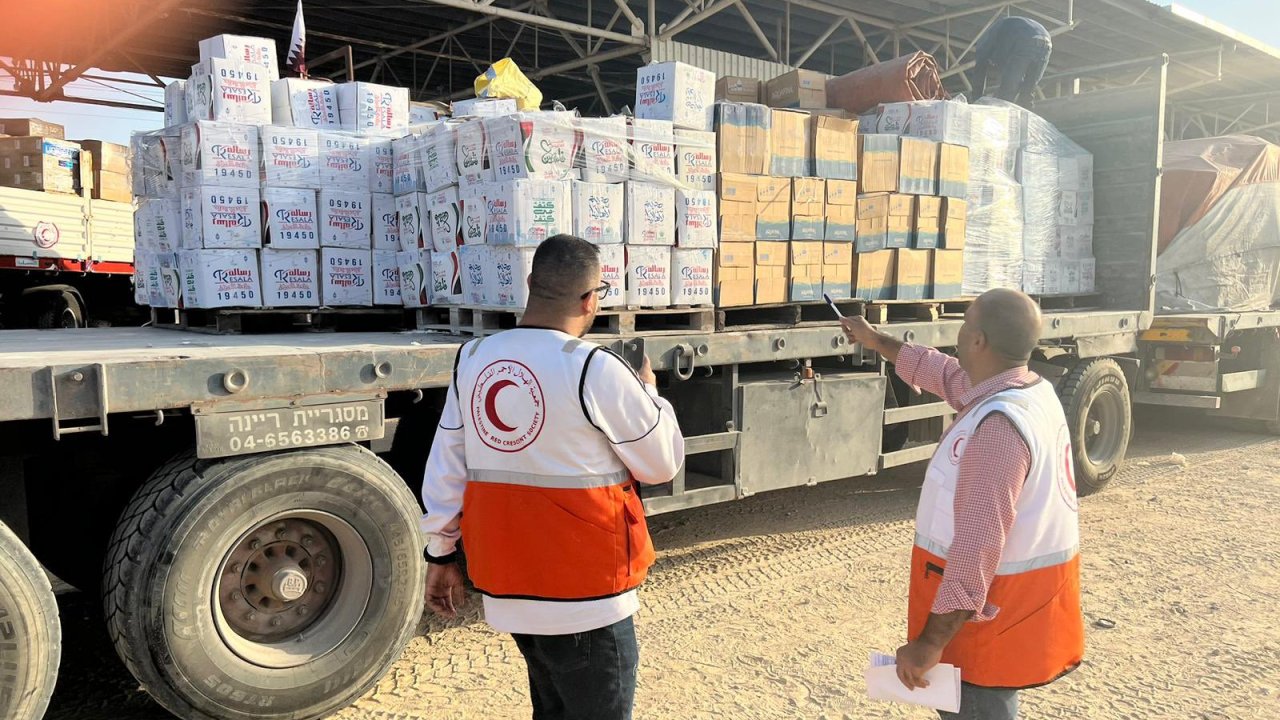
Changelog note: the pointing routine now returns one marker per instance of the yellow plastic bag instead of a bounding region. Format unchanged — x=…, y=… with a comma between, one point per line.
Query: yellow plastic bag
x=504, y=80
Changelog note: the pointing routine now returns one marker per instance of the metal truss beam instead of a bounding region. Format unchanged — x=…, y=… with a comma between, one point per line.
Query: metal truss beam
x=695, y=18
x=438, y=37
x=533, y=19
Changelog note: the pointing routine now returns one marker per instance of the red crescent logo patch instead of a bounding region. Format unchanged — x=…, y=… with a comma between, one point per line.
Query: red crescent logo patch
x=507, y=406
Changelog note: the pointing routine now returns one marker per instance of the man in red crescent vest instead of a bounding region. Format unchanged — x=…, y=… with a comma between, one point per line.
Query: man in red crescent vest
x=535, y=466
x=995, y=570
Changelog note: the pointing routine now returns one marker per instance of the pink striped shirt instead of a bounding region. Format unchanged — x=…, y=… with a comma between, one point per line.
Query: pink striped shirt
x=993, y=468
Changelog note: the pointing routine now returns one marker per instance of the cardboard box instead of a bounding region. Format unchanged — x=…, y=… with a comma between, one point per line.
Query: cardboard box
x=478, y=273
x=918, y=174
x=791, y=144
x=928, y=223
x=156, y=164
x=808, y=208
x=292, y=220
x=937, y=120
x=837, y=270
x=605, y=148
x=220, y=278
x=526, y=212
x=796, y=89
x=873, y=222
x=738, y=207
x=19, y=127
x=742, y=137
x=650, y=214
x=158, y=224
x=954, y=220
x=229, y=91
x=381, y=166
x=541, y=146
x=696, y=159
x=438, y=152
x=300, y=103
x=422, y=113
x=386, y=278
x=221, y=218
x=738, y=90
x=218, y=153
x=346, y=219
x=681, y=94
x=344, y=162
x=842, y=211
x=648, y=276
x=735, y=274
x=386, y=222
x=290, y=157
x=691, y=276
x=772, y=278
x=511, y=268
x=407, y=171
x=912, y=274
x=371, y=109
x=40, y=163
x=953, y=171
x=835, y=147
x=948, y=274
x=877, y=163
x=346, y=277
x=243, y=48
x=1088, y=275
x=445, y=215
x=902, y=216
x=873, y=275
x=484, y=107
x=613, y=270
x=471, y=154
x=446, y=278
x=598, y=211
x=696, y=218
x=773, y=208
x=411, y=209
x=290, y=278
x=473, y=220
x=107, y=157
x=653, y=151
x=415, y=277
x=806, y=270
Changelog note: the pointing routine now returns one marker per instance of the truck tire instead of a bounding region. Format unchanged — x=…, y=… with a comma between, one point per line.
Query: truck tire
x=30, y=637
x=1095, y=396
x=59, y=310
x=267, y=586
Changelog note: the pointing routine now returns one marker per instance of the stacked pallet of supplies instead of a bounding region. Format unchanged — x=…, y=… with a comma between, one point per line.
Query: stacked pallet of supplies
x=34, y=155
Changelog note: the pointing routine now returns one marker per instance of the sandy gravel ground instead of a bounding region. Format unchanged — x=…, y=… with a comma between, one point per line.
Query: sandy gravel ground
x=767, y=608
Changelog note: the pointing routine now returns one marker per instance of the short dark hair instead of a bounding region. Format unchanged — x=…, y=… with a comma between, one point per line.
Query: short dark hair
x=563, y=267
x=1011, y=321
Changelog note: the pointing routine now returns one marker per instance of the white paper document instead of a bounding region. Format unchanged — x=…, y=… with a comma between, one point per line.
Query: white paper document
x=943, y=692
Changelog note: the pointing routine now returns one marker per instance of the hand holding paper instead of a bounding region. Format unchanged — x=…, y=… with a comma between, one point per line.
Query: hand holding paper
x=943, y=692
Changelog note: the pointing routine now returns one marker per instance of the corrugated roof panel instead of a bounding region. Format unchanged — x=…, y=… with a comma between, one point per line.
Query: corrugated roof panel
x=718, y=62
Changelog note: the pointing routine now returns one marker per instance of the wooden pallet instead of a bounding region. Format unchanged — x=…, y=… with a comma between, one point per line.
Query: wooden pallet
x=887, y=311
x=255, y=321
x=480, y=321
x=759, y=317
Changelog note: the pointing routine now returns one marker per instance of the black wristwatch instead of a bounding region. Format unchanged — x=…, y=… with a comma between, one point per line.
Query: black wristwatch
x=449, y=559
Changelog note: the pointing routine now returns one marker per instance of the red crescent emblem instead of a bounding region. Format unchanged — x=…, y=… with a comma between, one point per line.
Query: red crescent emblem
x=491, y=405
x=524, y=407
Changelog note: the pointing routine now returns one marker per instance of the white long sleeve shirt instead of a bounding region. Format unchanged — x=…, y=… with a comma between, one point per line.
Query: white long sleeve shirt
x=573, y=409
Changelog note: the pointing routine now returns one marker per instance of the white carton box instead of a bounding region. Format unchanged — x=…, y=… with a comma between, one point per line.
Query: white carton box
x=696, y=159
x=444, y=212
x=505, y=145
x=446, y=279
x=511, y=268
x=164, y=280
x=344, y=162
x=484, y=107
x=220, y=278
x=256, y=50
x=651, y=214
x=312, y=104
x=691, y=270
x=406, y=165
x=1070, y=276
x=292, y=222
x=156, y=164
x=438, y=154
x=477, y=273
x=346, y=277
x=229, y=91
x=1088, y=275
x=613, y=270
x=696, y=219
x=346, y=219
x=676, y=92
x=143, y=261
x=471, y=154
x=648, y=276
x=175, y=103
x=158, y=224
x=415, y=233
x=421, y=113
x=290, y=278
x=386, y=278
x=415, y=277
x=221, y=218
x=605, y=148
x=473, y=214
x=598, y=211
x=371, y=109
x=526, y=212
x=936, y=120
x=382, y=166
x=653, y=151
x=290, y=157
x=218, y=153
x=386, y=222
x=550, y=145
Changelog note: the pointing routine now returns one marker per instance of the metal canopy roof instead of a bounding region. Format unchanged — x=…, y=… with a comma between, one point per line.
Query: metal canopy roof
x=584, y=52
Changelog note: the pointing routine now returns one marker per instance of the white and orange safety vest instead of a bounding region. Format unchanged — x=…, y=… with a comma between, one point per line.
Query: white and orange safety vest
x=1038, y=634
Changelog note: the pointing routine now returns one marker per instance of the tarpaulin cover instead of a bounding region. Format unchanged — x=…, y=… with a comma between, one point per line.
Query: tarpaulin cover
x=910, y=77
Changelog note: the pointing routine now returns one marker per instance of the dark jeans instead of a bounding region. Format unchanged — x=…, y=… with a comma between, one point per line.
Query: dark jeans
x=1022, y=71
x=979, y=703
x=585, y=676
